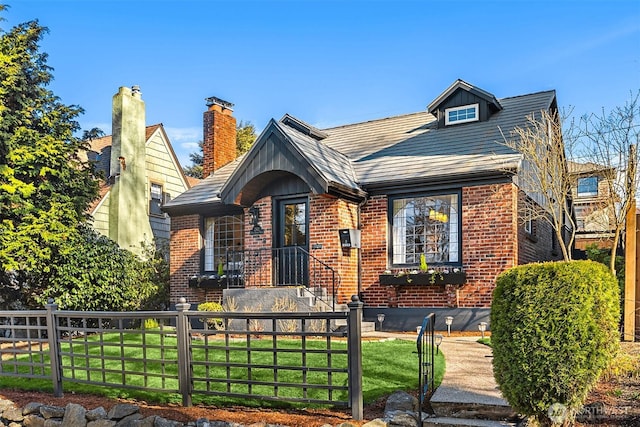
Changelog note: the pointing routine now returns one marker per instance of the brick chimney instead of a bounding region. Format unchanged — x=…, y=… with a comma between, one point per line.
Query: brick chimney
x=219, y=135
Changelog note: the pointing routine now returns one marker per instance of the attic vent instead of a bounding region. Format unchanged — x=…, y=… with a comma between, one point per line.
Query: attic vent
x=464, y=114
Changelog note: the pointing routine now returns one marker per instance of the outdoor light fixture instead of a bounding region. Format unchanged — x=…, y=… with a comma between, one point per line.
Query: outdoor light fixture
x=381, y=319
x=482, y=326
x=448, y=321
x=437, y=340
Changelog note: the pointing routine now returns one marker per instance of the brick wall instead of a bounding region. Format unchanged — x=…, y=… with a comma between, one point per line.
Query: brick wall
x=327, y=215
x=263, y=269
x=539, y=244
x=219, y=139
x=185, y=256
x=489, y=246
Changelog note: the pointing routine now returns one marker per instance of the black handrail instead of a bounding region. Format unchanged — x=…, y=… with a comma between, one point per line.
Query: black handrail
x=288, y=266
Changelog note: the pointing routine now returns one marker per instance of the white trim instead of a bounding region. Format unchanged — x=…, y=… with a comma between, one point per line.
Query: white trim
x=463, y=107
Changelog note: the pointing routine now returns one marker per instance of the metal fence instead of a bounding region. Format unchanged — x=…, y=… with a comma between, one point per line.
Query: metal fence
x=294, y=357
x=426, y=358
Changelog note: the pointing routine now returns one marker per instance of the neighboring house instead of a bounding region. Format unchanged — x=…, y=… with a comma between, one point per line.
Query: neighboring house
x=141, y=173
x=595, y=220
x=362, y=201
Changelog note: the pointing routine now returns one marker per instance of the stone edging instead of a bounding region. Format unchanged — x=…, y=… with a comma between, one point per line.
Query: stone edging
x=399, y=411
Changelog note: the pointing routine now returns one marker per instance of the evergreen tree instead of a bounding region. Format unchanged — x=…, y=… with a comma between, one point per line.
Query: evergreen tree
x=45, y=187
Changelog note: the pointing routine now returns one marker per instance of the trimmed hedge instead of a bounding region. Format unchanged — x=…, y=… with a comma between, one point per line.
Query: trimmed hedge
x=554, y=328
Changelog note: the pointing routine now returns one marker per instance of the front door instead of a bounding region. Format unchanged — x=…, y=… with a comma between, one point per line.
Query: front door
x=292, y=242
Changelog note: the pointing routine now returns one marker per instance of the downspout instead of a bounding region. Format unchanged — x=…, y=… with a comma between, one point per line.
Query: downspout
x=360, y=205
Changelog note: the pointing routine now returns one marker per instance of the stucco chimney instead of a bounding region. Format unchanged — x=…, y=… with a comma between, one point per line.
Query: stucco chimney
x=128, y=219
x=219, y=135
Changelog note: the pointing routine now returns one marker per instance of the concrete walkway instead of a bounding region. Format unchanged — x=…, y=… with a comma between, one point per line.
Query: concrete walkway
x=468, y=389
x=468, y=376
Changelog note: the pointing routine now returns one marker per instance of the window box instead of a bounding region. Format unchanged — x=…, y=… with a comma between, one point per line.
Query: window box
x=214, y=281
x=422, y=279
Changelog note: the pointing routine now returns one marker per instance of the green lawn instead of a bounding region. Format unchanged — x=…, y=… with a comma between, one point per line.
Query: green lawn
x=387, y=366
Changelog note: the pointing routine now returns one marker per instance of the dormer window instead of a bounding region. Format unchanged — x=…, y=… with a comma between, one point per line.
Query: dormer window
x=464, y=114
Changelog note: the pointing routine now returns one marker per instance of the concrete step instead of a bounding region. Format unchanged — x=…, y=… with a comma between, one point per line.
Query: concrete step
x=470, y=422
x=366, y=326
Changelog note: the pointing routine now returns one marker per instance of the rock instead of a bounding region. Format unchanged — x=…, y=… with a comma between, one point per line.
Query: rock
x=102, y=422
x=48, y=411
x=15, y=424
x=32, y=408
x=378, y=422
x=401, y=401
x=122, y=410
x=163, y=422
x=401, y=419
x=74, y=416
x=345, y=425
x=13, y=414
x=129, y=420
x=4, y=404
x=145, y=422
x=98, y=413
x=52, y=422
x=33, y=420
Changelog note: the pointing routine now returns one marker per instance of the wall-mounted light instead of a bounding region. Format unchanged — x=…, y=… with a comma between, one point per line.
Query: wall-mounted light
x=254, y=220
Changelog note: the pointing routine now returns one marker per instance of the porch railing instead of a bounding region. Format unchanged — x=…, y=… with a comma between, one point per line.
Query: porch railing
x=289, y=266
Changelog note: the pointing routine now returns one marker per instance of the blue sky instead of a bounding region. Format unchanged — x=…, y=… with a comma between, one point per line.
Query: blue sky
x=329, y=62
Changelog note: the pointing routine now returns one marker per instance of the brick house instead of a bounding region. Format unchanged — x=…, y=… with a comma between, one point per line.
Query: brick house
x=354, y=209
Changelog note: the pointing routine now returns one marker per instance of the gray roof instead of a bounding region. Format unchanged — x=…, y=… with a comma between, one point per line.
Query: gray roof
x=395, y=150
x=411, y=147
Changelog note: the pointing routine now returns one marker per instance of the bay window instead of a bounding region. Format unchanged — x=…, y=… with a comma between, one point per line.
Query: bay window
x=428, y=225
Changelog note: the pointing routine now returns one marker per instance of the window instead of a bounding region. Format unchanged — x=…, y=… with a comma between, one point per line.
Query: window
x=155, y=200
x=457, y=115
x=588, y=186
x=426, y=225
x=221, y=234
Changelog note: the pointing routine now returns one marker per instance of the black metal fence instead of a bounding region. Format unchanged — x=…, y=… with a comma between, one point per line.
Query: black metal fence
x=426, y=358
x=295, y=357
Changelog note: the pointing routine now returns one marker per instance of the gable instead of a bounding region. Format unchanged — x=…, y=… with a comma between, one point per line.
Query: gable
x=462, y=94
x=269, y=160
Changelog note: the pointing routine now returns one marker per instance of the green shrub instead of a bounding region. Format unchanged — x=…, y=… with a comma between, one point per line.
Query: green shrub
x=214, y=323
x=554, y=330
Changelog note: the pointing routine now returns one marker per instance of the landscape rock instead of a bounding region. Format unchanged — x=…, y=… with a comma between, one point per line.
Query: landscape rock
x=122, y=410
x=4, y=404
x=13, y=414
x=378, y=422
x=129, y=420
x=145, y=422
x=163, y=422
x=98, y=413
x=32, y=408
x=33, y=420
x=103, y=422
x=52, y=422
x=48, y=411
x=402, y=419
x=74, y=416
x=401, y=401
